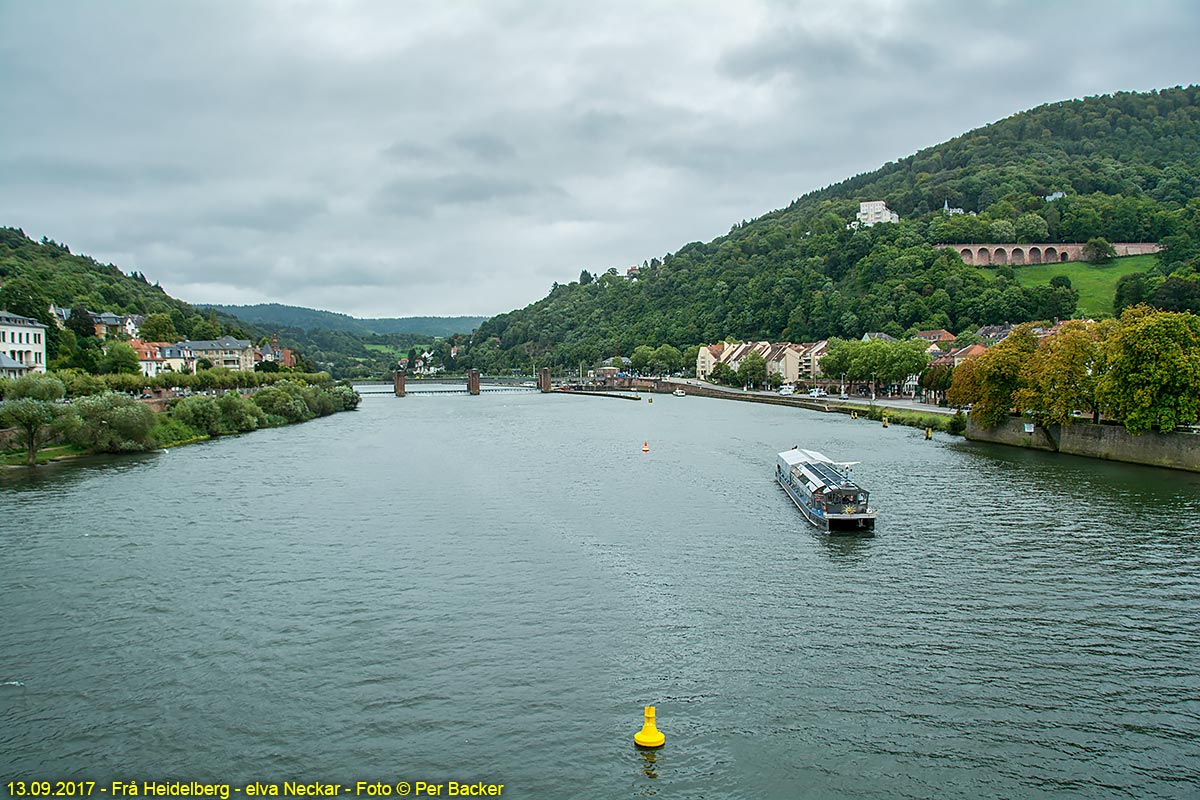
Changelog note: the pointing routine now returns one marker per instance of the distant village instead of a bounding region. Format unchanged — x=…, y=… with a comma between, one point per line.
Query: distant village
x=23, y=346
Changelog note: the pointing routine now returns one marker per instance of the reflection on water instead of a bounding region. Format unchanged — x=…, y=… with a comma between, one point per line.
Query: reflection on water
x=649, y=763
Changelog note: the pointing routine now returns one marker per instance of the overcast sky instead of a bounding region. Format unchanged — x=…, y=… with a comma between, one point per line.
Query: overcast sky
x=398, y=158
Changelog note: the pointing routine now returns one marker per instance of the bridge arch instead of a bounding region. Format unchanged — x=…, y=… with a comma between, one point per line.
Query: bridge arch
x=984, y=256
x=1035, y=255
x=1018, y=256
x=1051, y=255
x=999, y=256
x=967, y=256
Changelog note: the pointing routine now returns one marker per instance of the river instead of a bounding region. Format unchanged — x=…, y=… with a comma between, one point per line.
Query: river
x=489, y=589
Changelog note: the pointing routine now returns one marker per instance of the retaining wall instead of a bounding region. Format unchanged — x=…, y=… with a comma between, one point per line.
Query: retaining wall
x=1112, y=442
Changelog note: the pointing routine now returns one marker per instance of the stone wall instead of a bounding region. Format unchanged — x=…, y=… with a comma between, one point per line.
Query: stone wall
x=1112, y=442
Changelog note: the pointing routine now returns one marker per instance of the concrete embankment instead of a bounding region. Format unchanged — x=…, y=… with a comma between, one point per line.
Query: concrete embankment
x=913, y=418
x=1110, y=442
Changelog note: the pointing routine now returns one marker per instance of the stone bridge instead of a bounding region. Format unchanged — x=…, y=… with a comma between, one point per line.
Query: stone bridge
x=1018, y=254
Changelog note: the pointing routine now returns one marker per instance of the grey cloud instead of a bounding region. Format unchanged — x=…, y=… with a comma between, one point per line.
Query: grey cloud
x=342, y=155
x=421, y=194
x=486, y=147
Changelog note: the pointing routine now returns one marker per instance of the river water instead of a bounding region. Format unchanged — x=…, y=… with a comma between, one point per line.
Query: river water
x=490, y=589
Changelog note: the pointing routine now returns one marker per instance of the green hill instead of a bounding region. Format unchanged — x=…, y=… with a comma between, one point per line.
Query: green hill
x=35, y=274
x=276, y=315
x=1128, y=168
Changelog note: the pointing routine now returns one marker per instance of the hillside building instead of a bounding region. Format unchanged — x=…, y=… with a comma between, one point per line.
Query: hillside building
x=23, y=345
x=872, y=212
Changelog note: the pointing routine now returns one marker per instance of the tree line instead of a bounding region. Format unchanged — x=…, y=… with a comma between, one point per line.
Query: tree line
x=1141, y=370
x=98, y=415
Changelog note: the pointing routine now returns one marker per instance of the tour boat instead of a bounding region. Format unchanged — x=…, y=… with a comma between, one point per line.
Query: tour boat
x=679, y=393
x=823, y=490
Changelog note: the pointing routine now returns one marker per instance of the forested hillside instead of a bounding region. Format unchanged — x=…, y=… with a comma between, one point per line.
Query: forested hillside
x=277, y=315
x=1127, y=167
x=36, y=274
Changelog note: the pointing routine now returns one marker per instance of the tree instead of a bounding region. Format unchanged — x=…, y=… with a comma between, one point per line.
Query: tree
x=1131, y=290
x=266, y=366
x=722, y=373
x=752, y=371
x=36, y=421
x=837, y=358
x=1031, y=228
x=641, y=358
x=203, y=363
x=1152, y=370
x=1060, y=282
x=1176, y=294
x=989, y=381
x=1002, y=231
x=113, y=423
x=1098, y=250
x=936, y=379
x=158, y=328
x=666, y=359
x=36, y=386
x=80, y=323
x=206, y=330
x=1060, y=376
x=119, y=359
x=585, y=278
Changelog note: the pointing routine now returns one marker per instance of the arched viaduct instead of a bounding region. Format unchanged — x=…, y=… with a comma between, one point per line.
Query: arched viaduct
x=1018, y=254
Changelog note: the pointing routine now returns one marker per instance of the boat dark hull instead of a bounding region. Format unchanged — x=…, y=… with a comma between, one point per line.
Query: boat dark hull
x=863, y=524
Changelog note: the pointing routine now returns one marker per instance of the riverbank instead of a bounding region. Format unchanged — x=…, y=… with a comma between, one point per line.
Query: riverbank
x=952, y=423
x=116, y=423
x=1175, y=450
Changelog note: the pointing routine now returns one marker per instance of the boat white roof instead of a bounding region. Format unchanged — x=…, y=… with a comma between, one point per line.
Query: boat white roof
x=798, y=456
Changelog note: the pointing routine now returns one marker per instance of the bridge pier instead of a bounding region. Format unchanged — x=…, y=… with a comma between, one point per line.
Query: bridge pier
x=472, y=381
x=543, y=380
x=398, y=382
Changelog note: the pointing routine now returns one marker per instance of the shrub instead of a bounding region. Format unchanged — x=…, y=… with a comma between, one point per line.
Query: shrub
x=113, y=423
x=169, y=432
x=281, y=401
x=36, y=387
x=238, y=414
x=200, y=413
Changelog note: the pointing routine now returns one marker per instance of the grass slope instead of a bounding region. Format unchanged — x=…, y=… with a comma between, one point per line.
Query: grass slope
x=1096, y=283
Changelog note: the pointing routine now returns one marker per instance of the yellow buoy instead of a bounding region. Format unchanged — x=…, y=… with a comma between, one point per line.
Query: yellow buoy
x=928, y=434
x=645, y=447
x=885, y=422
x=649, y=735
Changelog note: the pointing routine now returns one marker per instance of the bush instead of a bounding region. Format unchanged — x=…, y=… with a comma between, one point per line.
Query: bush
x=36, y=387
x=169, y=432
x=238, y=414
x=199, y=413
x=113, y=423
x=282, y=401
x=79, y=383
x=346, y=397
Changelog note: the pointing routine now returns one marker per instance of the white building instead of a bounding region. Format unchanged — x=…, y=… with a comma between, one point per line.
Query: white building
x=875, y=211
x=23, y=341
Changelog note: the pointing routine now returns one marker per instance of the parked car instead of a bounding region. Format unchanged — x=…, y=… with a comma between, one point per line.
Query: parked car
x=786, y=390
x=818, y=392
